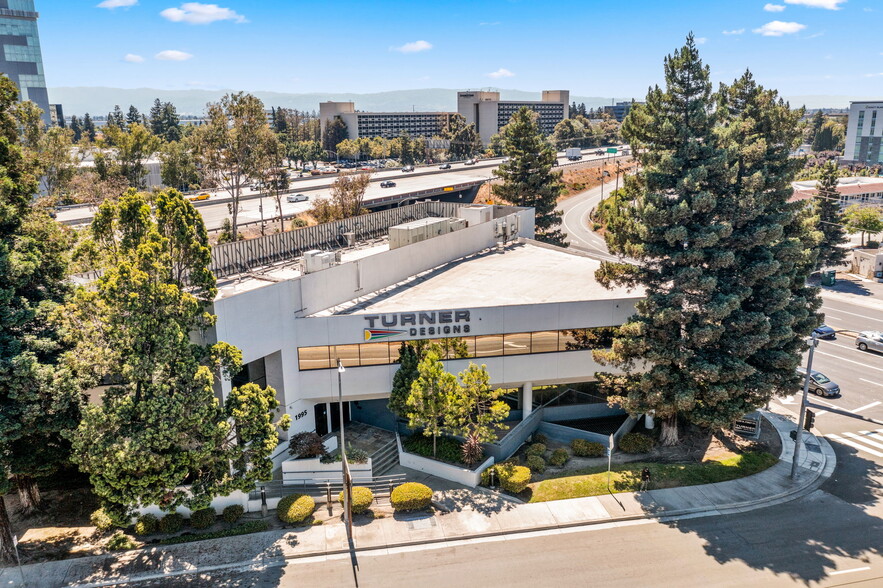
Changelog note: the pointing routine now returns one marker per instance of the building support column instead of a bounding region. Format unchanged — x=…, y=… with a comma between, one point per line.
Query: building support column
x=329, y=407
x=526, y=399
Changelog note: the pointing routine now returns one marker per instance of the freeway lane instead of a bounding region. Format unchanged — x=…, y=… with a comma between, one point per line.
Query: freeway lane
x=841, y=314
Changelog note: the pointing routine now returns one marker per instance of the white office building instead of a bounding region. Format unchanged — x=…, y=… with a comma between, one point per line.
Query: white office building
x=863, y=133
x=360, y=125
x=490, y=114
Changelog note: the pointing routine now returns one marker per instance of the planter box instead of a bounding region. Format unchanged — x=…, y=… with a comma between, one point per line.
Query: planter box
x=464, y=476
x=298, y=471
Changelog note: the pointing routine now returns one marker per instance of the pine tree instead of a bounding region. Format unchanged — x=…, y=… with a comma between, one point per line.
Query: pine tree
x=156, y=119
x=76, y=128
x=431, y=397
x=827, y=207
x=116, y=118
x=528, y=179
x=465, y=142
x=133, y=116
x=171, y=123
x=677, y=231
x=88, y=127
x=402, y=380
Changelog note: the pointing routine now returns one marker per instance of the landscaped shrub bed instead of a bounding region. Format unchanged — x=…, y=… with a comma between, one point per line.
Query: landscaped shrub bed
x=511, y=477
x=203, y=518
x=120, y=542
x=635, y=443
x=538, y=449
x=243, y=529
x=147, y=524
x=101, y=520
x=171, y=523
x=447, y=449
x=295, y=508
x=411, y=496
x=586, y=448
x=362, y=499
x=536, y=463
x=232, y=513
x=559, y=457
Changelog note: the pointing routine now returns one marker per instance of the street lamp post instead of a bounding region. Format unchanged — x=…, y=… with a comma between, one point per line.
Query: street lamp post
x=797, y=437
x=345, y=470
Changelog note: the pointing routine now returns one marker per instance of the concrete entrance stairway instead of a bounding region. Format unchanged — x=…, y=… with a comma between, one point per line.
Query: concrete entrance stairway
x=385, y=458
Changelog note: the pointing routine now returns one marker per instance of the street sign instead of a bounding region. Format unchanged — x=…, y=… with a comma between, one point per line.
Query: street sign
x=448, y=189
x=747, y=426
x=611, y=150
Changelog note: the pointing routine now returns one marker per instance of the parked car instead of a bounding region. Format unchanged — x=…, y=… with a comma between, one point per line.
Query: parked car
x=819, y=383
x=408, y=168
x=872, y=340
x=469, y=162
x=387, y=184
x=296, y=198
x=198, y=197
x=445, y=166
x=825, y=332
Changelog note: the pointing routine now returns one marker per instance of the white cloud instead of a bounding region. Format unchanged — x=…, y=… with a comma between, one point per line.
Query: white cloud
x=700, y=40
x=827, y=4
x=500, y=73
x=873, y=75
x=773, y=7
x=415, y=47
x=197, y=13
x=734, y=32
x=111, y=4
x=777, y=28
x=489, y=24
x=132, y=58
x=172, y=55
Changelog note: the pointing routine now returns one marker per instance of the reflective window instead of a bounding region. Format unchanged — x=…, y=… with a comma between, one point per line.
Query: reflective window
x=516, y=343
x=374, y=353
x=543, y=341
x=348, y=355
x=314, y=358
x=488, y=345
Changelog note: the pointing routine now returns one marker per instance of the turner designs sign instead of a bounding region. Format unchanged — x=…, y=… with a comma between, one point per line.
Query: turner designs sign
x=420, y=324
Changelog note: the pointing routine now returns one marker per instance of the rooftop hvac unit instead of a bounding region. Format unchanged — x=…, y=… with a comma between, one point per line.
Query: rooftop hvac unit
x=316, y=260
x=350, y=238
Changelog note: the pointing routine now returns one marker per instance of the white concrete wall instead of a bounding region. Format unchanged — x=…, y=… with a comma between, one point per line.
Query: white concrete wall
x=470, y=478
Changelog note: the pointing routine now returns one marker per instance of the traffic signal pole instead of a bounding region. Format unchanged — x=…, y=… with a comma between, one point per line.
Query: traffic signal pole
x=798, y=437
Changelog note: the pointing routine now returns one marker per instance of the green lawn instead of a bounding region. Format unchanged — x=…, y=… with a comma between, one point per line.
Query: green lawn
x=627, y=477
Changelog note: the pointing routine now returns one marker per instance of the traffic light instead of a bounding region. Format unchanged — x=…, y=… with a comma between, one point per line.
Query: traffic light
x=810, y=420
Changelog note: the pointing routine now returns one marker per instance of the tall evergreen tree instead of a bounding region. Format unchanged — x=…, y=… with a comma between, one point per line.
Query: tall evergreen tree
x=116, y=118
x=831, y=224
x=335, y=132
x=133, y=116
x=76, y=128
x=402, y=380
x=465, y=142
x=156, y=121
x=528, y=179
x=677, y=230
x=88, y=127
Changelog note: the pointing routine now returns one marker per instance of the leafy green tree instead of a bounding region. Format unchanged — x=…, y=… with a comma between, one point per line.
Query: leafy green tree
x=406, y=149
x=178, y=168
x=830, y=218
x=402, y=380
x=465, y=142
x=527, y=178
x=476, y=409
x=814, y=126
x=162, y=427
x=335, y=132
x=676, y=230
x=569, y=133
x=863, y=219
x=131, y=149
x=430, y=400
x=39, y=401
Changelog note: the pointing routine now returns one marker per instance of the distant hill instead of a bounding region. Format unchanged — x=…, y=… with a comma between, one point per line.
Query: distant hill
x=100, y=100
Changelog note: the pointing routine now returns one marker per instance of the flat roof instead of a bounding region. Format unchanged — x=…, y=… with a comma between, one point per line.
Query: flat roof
x=527, y=272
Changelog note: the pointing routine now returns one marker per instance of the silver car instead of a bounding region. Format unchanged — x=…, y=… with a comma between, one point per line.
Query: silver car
x=819, y=383
x=872, y=340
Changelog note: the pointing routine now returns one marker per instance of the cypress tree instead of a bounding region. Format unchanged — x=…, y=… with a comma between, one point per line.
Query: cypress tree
x=76, y=128
x=89, y=127
x=830, y=219
x=402, y=380
x=528, y=179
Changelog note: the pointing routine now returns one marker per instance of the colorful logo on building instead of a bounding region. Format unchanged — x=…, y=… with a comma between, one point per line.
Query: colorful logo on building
x=375, y=334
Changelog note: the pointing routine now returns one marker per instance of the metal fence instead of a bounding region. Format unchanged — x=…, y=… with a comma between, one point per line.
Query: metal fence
x=380, y=486
x=242, y=256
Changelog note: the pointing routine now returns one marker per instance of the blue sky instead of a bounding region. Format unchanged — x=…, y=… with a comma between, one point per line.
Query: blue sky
x=593, y=48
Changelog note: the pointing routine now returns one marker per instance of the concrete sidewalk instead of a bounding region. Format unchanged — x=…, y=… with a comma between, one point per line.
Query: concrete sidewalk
x=470, y=514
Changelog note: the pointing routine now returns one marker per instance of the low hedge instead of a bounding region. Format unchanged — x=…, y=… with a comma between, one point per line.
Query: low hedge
x=171, y=523
x=538, y=449
x=559, y=457
x=635, y=443
x=586, y=448
x=101, y=520
x=147, y=524
x=536, y=463
x=121, y=542
x=362, y=499
x=203, y=518
x=411, y=496
x=511, y=477
x=446, y=448
x=295, y=508
x=243, y=529
x=232, y=513
x=539, y=438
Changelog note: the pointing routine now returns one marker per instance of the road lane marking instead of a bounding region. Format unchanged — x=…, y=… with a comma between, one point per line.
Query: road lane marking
x=830, y=317
x=821, y=412
x=865, y=439
x=849, y=571
x=875, y=403
x=871, y=382
x=850, y=361
x=852, y=444
x=879, y=320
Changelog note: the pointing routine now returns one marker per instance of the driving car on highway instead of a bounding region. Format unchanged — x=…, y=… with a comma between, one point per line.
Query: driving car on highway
x=408, y=168
x=872, y=340
x=387, y=184
x=445, y=166
x=198, y=197
x=819, y=383
x=296, y=198
x=825, y=332
x=469, y=162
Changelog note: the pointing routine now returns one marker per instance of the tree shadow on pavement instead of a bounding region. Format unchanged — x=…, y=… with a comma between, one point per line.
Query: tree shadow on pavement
x=486, y=503
x=808, y=538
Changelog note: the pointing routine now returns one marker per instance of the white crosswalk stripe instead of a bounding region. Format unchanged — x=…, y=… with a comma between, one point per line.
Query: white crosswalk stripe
x=867, y=441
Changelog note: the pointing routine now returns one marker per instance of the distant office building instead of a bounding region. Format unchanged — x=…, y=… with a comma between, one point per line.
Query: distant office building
x=862, y=191
x=56, y=115
x=863, y=133
x=383, y=124
x=490, y=114
x=21, y=59
x=619, y=110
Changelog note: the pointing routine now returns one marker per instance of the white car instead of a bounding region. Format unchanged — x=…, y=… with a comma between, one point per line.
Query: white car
x=296, y=198
x=872, y=340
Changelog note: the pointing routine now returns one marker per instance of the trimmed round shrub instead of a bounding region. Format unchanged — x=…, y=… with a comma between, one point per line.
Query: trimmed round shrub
x=538, y=449
x=232, y=513
x=101, y=520
x=540, y=438
x=536, y=463
x=203, y=518
x=171, y=523
x=362, y=499
x=513, y=478
x=120, y=542
x=147, y=524
x=559, y=457
x=411, y=496
x=295, y=508
x=636, y=443
x=586, y=448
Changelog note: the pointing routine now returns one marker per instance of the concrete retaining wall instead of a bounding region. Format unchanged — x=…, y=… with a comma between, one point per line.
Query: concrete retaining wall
x=470, y=478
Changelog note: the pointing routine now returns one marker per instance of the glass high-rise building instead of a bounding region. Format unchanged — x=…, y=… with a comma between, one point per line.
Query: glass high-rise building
x=20, y=58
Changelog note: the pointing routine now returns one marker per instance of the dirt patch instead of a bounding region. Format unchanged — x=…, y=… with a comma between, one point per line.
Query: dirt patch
x=580, y=178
